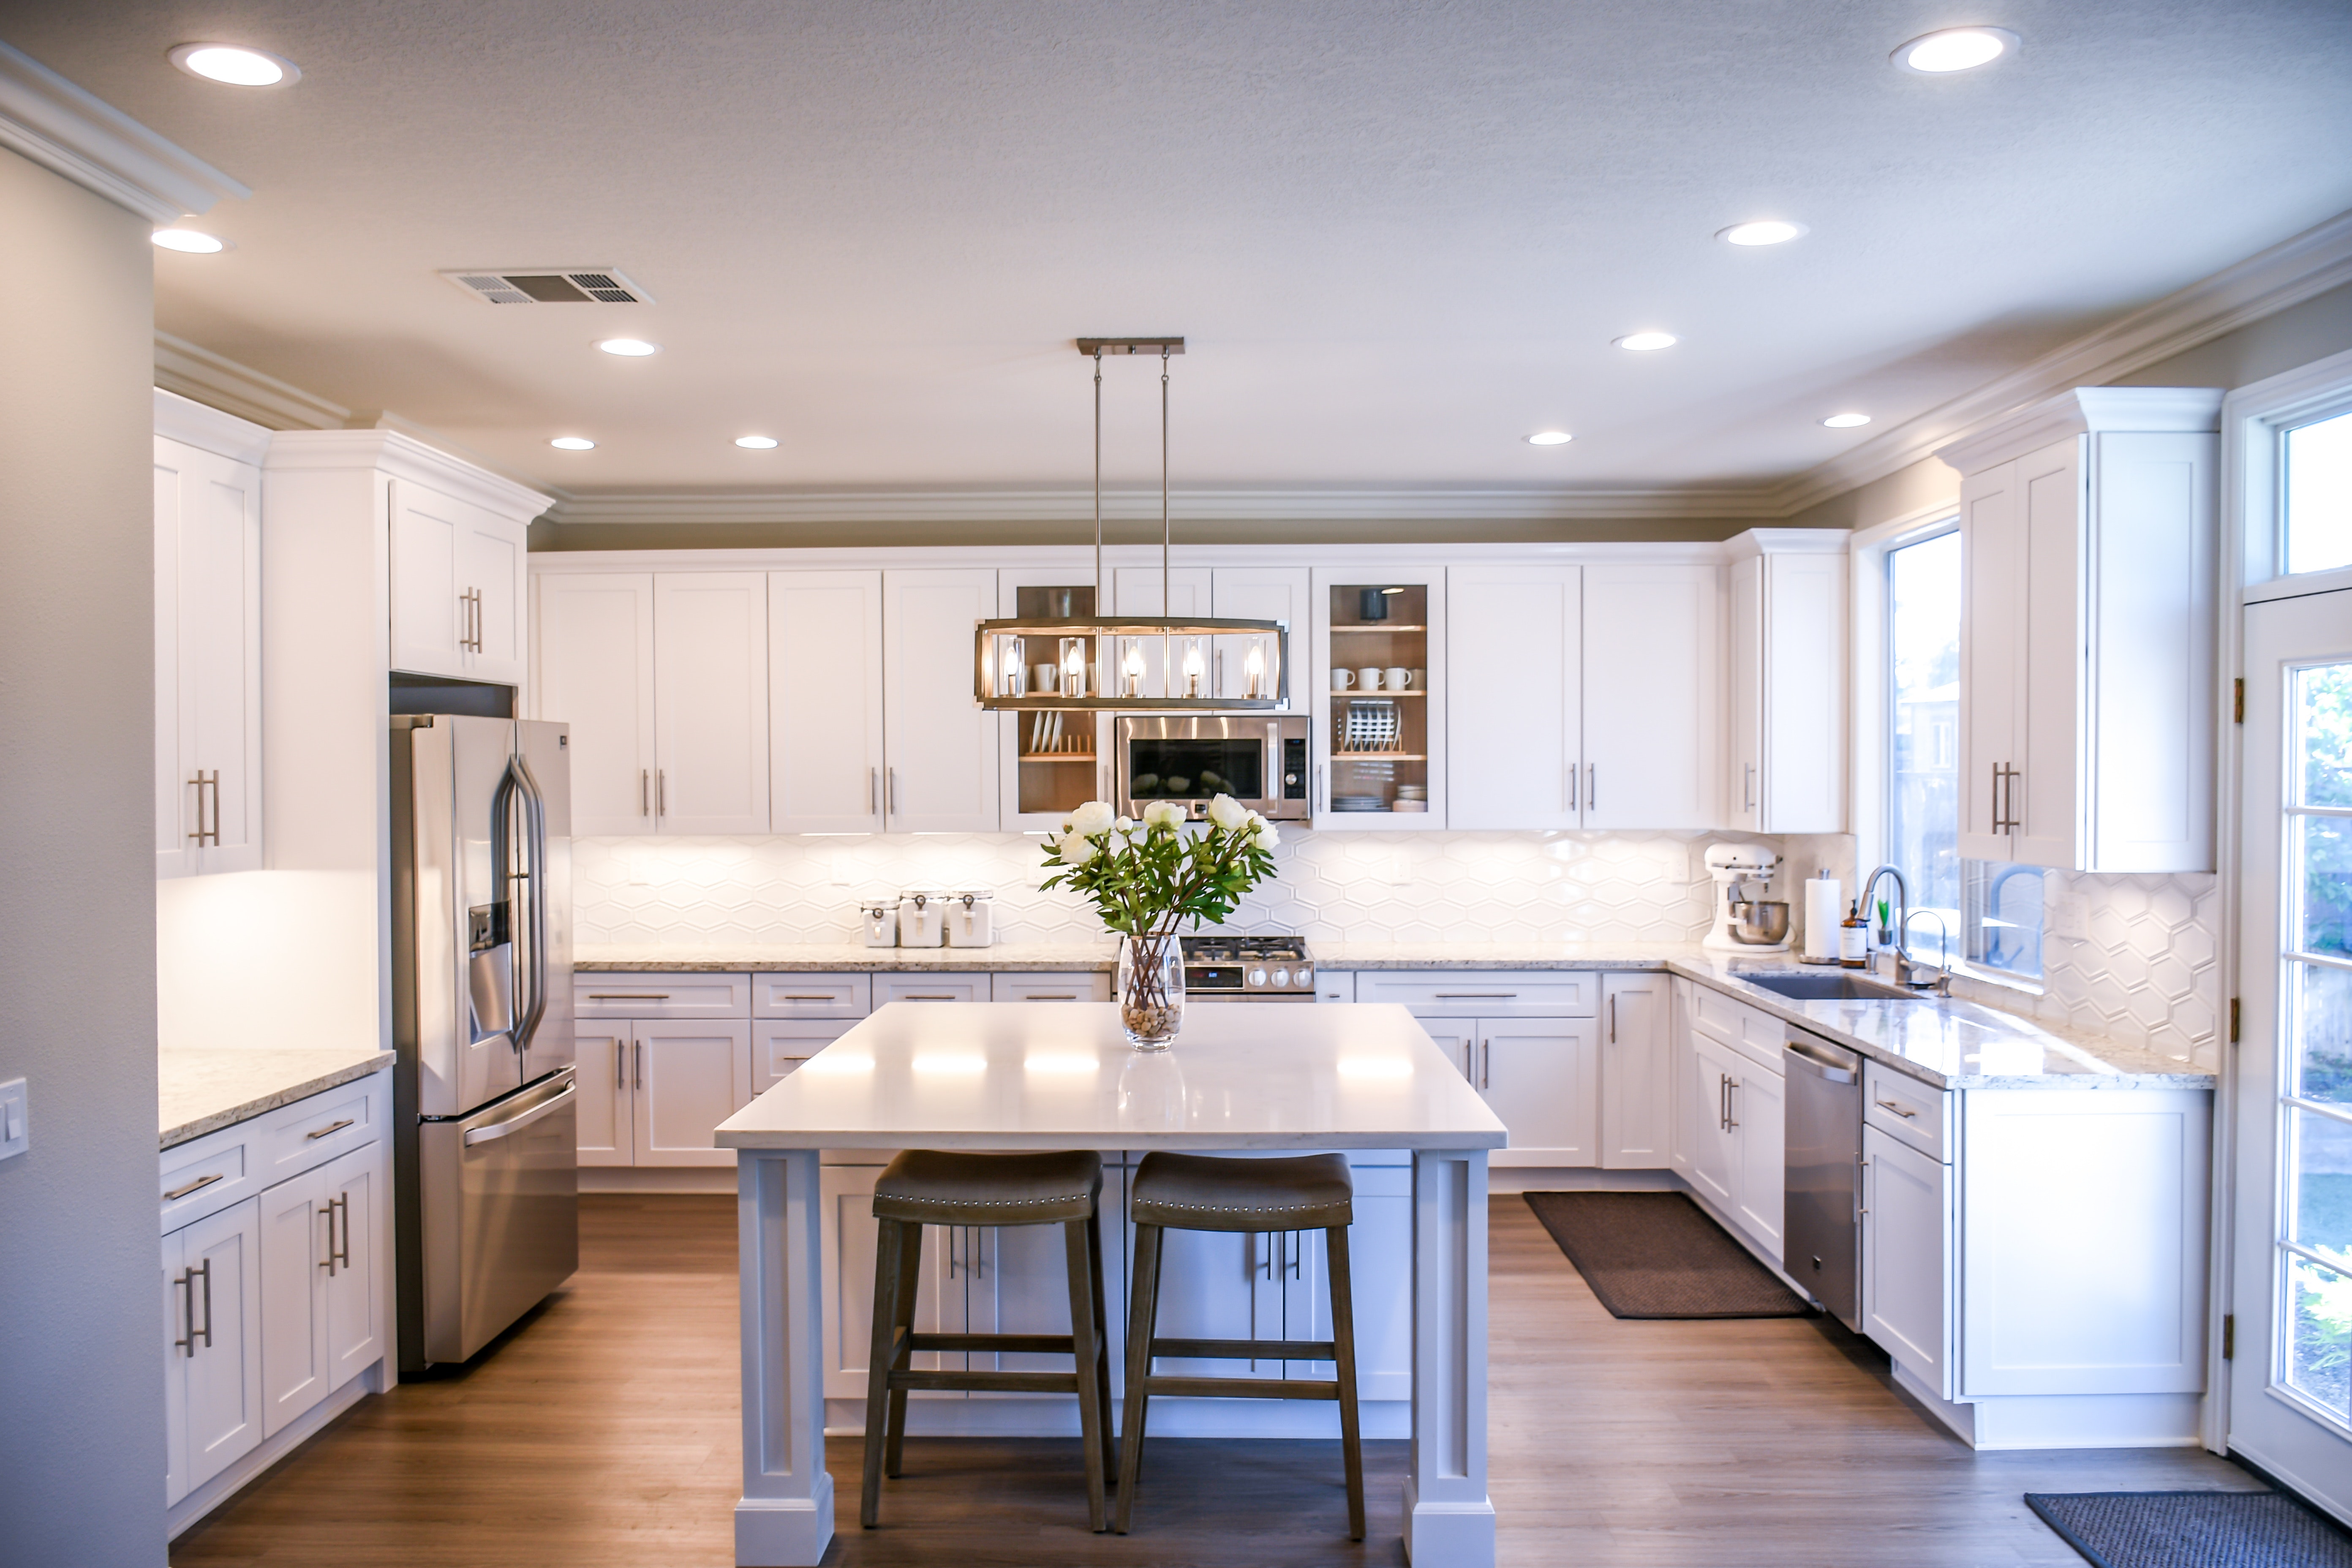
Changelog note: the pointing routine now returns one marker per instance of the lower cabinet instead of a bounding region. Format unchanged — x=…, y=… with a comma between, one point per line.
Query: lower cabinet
x=1906, y=1234
x=1636, y=1096
x=652, y=1090
x=321, y=1305
x=1542, y=1076
x=213, y=1350
x=1728, y=1137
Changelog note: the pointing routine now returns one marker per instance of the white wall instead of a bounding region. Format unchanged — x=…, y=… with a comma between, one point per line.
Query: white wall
x=81, y=1384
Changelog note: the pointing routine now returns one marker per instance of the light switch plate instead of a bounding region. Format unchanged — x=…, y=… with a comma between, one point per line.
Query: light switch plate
x=16, y=1115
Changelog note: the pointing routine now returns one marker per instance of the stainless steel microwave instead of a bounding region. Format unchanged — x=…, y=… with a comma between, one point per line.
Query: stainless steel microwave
x=1259, y=759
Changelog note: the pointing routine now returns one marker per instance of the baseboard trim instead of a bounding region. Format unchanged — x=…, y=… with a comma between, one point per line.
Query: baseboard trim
x=657, y=1179
x=1516, y=1179
x=184, y=1513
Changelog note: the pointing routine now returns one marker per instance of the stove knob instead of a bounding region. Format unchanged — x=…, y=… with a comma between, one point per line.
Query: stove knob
x=1257, y=977
x=1282, y=977
x=1304, y=975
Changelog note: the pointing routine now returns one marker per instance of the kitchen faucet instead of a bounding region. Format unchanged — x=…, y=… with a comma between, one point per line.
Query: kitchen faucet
x=1903, y=965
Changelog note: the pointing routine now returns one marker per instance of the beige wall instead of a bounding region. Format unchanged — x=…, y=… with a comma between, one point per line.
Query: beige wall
x=1906, y=493
x=2320, y=326
x=81, y=1387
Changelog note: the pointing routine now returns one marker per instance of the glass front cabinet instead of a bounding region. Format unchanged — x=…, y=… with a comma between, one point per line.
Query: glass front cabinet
x=1376, y=659
x=1053, y=763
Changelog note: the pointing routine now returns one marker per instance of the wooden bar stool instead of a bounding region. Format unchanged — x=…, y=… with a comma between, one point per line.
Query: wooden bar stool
x=924, y=1187
x=1202, y=1192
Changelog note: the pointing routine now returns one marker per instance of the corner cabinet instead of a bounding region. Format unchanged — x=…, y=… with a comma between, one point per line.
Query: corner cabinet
x=1787, y=697
x=2088, y=560
x=1379, y=750
x=207, y=639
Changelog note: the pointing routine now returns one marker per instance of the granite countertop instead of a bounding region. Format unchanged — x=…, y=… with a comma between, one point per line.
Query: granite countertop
x=1501, y=954
x=801, y=957
x=202, y=1091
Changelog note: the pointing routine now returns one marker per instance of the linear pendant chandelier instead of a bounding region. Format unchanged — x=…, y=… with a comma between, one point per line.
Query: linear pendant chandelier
x=1103, y=661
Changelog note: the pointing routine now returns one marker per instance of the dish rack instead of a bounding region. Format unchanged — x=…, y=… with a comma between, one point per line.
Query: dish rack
x=1368, y=727
x=1048, y=740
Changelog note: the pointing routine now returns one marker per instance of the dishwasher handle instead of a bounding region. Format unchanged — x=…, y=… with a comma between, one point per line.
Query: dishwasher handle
x=1817, y=1060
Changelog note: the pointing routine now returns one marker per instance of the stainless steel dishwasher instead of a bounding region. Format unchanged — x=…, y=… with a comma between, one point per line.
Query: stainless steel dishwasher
x=1822, y=1185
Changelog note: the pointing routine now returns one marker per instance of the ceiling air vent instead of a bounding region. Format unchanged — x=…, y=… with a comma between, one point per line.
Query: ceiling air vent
x=550, y=286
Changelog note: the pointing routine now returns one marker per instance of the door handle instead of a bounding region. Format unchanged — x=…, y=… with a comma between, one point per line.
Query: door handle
x=1592, y=786
x=1730, y=1101
x=343, y=1252
x=644, y=792
x=1486, y=1062
x=637, y=1056
x=661, y=793
x=1612, y=1020
x=1573, y=794
x=1897, y=1109
x=326, y=1212
x=197, y=1186
x=620, y=1065
x=873, y=791
x=890, y=789
x=1748, y=787
x=499, y=1129
x=330, y=1128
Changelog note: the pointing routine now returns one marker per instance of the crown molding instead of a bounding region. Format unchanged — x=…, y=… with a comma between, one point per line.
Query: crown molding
x=203, y=376
x=402, y=456
x=74, y=133
x=2084, y=411
x=207, y=428
x=1187, y=504
x=2264, y=284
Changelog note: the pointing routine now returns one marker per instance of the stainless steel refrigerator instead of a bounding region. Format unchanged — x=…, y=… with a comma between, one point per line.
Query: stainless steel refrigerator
x=484, y=1103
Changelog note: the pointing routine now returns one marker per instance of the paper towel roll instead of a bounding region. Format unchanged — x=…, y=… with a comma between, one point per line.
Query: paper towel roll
x=1824, y=912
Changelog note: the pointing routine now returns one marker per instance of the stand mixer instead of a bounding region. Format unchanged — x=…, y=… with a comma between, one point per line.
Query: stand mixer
x=1745, y=920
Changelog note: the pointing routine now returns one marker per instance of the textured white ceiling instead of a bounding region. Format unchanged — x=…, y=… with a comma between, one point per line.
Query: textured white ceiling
x=1398, y=236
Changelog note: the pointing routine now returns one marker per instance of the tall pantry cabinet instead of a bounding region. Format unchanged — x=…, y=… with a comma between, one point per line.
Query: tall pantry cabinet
x=2088, y=562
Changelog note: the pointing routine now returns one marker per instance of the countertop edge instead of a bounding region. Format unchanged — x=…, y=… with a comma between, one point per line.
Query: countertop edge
x=810, y=1142
x=262, y=1104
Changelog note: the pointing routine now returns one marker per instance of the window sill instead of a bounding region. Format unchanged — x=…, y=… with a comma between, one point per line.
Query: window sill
x=2020, y=984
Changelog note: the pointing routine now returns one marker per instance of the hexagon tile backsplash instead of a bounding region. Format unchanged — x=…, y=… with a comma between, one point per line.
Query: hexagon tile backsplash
x=2143, y=971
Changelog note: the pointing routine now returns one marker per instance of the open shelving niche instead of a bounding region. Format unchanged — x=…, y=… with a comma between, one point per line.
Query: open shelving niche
x=1378, y=741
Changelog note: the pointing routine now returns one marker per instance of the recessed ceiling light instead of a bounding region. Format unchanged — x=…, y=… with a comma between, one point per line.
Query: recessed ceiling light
x=1550, y=438
x=1846, y=421
x=755, y=443
x=629, y=347
x=573, y=443
x=1762, y=231
x=237, y=65
x=1642, y=343
x=193, y=241
x=1954, y=49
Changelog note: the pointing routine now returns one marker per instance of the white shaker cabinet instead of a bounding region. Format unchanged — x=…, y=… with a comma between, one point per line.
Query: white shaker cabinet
x=1787, y=699
x=1636, y=1098
x=2088, y=560
x=1906, y=1237
x=1515, y=651
x=458, y=584
x=1729, y=1103
x=321, y=1305
x=207, y=639
x=939, y=767
x=211, y=1383
x=710, y=702
x=593, y=668
x=652, y=1090
x=824, y=700
x=1652, y=696
x=1542, y=1076
x=1375, y=749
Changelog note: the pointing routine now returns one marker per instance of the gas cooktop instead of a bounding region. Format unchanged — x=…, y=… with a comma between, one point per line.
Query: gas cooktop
x=1248, y=968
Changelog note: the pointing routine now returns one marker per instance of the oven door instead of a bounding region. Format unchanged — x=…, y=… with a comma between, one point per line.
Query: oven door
x=1191, y=759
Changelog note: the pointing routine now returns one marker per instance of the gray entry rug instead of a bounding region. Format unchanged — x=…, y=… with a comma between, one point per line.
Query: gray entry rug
x=1657, y=1255
x=2193, y=1530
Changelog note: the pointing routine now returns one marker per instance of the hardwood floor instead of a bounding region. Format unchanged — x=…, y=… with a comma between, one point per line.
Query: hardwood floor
x=603, y=1433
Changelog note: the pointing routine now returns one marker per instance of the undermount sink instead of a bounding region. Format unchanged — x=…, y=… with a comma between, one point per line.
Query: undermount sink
x=1833, y=988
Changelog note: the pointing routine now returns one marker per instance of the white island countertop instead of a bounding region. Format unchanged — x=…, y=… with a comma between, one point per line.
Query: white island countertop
x=1062, y=1075
x=203, y=1091
x=807, y=957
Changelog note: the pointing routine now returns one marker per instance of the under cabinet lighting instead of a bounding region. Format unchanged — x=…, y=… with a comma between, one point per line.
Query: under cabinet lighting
x=1846, y=421
x=193, y=241
x=1550, y=438
x=573, y=443
x=1954, y=49
x=1762, y=231
x=755, y=443
x=236, y=65
x=629, y=347
x=1645, y=342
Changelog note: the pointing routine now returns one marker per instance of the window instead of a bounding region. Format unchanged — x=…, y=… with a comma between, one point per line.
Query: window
x=2319, y=483
x=1988, y=913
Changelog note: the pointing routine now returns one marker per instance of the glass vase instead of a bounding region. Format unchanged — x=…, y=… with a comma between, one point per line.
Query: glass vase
x=1151, y=990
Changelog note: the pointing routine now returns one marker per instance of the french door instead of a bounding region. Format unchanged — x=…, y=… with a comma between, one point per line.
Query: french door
x=2291, y=1384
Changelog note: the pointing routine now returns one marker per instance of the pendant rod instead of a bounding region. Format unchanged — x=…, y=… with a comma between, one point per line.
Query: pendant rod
x=1099, y=604
x=1167, y=602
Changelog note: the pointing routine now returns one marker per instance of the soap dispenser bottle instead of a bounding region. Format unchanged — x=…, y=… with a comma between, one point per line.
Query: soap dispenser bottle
x=1854, y=938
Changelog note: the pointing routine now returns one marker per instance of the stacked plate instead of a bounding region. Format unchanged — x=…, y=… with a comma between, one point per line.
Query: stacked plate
x=1358, y=802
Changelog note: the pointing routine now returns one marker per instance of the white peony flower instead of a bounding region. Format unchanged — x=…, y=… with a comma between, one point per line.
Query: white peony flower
x=1091, y=818
x=1227, y=813
x=1123, y=823
x=1077, y=848
x=1163, y=814
x=1267, y=836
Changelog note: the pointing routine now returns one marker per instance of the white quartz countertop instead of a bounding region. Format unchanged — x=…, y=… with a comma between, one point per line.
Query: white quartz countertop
x=201, y=1092
x=1062, y=1075
x=784, y=958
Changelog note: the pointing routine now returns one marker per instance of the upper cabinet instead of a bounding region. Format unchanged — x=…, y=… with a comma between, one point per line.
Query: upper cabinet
x=1514, y=754
x=1377, y=668
x=2088, y=552
x=207, y=639
x=824, y=701
x=1788, y=696
x=459, y=593
x=939, y=771
x=593, y=667
x=1653, y=695
x=1049, y=764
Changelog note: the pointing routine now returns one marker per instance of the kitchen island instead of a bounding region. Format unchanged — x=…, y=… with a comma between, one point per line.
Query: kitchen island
x=1047, y=1076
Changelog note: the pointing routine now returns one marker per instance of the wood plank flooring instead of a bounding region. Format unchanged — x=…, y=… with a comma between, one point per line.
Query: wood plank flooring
x=604, y=1433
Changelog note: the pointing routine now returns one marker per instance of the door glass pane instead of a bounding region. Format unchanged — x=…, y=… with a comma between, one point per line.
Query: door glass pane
x=2319, y=495
x=2322, y=1176
x=2324, y=887
x=2323, y=712
x=1923, y=586
x=2319, y=1323
x=2323, y=1034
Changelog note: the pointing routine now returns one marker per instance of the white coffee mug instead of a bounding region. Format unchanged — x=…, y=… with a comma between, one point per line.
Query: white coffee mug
x=1045, y=677
x=1369, y=678
x=1396, y=678
x=1342, y=679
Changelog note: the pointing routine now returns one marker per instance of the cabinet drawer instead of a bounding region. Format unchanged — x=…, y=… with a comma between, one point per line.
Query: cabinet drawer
x=208, y=1174
x=1752, y=1032
x=661, y=995
x=1902, y=1107
x=779, y=1045
x=310, y=1132
x=964, y=986
x=1339, y=987
x=1486, y=993
x=812, y=995
x=1076, y=986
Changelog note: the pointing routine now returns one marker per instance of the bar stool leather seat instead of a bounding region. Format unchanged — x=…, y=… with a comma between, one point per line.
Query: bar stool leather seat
x=1202, y=1192
x=931, y=1186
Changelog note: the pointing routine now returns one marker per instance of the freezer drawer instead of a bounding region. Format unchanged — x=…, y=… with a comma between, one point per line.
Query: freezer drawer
x=501, y=1201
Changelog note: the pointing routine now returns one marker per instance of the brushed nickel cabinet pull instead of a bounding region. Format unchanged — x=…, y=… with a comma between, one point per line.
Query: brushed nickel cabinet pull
x=661, y=793
x=873, y=784
x=638, y=1054
x=198, y=1185
x=644, y=792
x=327, y=1212
x=1898, y=1110
x=343, y=1252
x=620, y=1065
x=1730, y=1099
x=331, y=1127
x=628, y=995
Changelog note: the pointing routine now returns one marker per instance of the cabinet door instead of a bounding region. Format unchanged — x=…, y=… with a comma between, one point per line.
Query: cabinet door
x=824, y=700
x=1260, y=594
x=1758, y=1101
x=2050, y=699
x=1514, y=724
x=1353, y=761
x=222, y=1266
x=428, y=620
x=1800, y=747
x=1541, y=1077
x=351, y=1299
x=1744, y=782
x=492, y=580
x=1992, y=654
x=1652, y=697
x=607, y=1108
x=845, y=1275
x=1906, y=1236
x=711, y=701
x=207, y=661
x=175, y=1375
x=1458, y=1038
x=594, y=670
x=297, y=1244
x=688, y=1077
x=1140, y=591
x=1714, y=1149
x=779, y=1045
x=938, y=745
x=1637, y=1091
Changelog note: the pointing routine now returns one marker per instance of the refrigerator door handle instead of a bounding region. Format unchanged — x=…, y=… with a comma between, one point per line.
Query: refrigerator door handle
x=533, y=878
x=513, y=1125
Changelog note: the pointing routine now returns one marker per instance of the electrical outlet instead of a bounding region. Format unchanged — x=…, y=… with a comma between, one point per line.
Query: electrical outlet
x=2067, y=917
x=16, y=1112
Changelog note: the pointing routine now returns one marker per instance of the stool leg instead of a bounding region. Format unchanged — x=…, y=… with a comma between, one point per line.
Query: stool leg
x=1142, y=1314
x=888, y=1252
x=1343, y=1345
x=910, y=1271
x=1102, y=1343
x=1086, y=1333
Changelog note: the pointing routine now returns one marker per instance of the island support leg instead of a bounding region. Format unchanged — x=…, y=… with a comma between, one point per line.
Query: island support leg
x=785, y=1517
x=1449, y=1520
